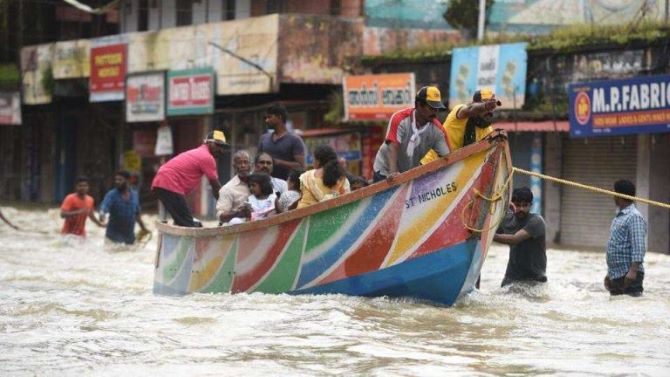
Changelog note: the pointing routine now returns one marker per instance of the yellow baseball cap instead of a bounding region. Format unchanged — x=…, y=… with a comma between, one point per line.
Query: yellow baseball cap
x=216, y=136
x=431, y=95
x=483, y=94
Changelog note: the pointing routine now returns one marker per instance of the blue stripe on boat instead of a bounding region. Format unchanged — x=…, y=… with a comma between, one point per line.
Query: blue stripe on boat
x=438, y=277
x=315, y=268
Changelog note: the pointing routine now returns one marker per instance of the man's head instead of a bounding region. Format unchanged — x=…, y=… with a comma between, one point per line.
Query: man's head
x=81, y=185
x=275, y=116
x=626, y=187
x=522, y=198
x=216, y=141
x=428, y=102
x=263, y=163
x=121, y=179
x=241, y=164
x=484, y=95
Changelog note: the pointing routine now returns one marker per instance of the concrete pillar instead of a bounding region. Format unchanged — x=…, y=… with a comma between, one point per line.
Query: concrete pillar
x=553, y=161
x=653, y=182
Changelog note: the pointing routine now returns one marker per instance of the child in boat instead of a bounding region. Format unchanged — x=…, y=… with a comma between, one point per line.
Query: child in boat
x=290, y=198
x=261, y=201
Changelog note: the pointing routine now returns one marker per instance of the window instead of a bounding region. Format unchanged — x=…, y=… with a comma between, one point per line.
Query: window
x=143, y=15
x=228, y=10
x=184, y=12
x=276, y=6
x=335, y=7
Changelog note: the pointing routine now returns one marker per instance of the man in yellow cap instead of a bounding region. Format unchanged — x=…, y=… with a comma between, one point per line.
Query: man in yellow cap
x=181, y=175
x=467, y=124
x=411, y=133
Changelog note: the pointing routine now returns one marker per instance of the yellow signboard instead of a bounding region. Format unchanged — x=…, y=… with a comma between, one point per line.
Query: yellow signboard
x=71, y=59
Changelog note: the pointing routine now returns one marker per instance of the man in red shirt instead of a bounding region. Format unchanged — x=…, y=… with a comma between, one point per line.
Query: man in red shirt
x=76, y=208
x=181, y=175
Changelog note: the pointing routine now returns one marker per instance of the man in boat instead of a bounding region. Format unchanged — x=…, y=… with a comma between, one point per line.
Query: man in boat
x=525, y=233
x=182, y=174
x=411, y=133
x=286, y=148
x=123, y=205
x=233, y=195
x=467, y=124
x=76, y=208
x=626, y=246
x=263, y=164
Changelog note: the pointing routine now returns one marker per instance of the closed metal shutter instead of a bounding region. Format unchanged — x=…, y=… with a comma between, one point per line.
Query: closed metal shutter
x=585, y=215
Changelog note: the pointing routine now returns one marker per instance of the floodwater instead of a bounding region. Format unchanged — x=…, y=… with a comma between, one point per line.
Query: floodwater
x=70, y=308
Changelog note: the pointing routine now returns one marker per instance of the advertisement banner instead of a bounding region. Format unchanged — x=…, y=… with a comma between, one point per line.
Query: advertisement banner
x=145, y=97
x=499, y=67
x=36, y=73
x=377, y=97
x=10, y=108
x=191, y=91
x=108, y=72
x=71, y=59
x=620, y=107
x=164, y=145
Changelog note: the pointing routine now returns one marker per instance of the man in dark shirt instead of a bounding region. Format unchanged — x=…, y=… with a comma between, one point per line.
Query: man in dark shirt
x=525, y=233
x=286, y=148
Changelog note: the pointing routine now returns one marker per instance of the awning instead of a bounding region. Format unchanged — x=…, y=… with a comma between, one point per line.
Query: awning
x=544, y=126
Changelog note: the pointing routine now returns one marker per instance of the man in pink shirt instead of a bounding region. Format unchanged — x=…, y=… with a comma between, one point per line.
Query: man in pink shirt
x=182, y=174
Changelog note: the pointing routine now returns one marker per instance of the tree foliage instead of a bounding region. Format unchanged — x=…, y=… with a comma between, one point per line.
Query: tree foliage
x=464, y=14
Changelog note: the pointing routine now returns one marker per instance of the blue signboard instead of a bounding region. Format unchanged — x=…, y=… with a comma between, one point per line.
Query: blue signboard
x=498, y=67
x=620, y=107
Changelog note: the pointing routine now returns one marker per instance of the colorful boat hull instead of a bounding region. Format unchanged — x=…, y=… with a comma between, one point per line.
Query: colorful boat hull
x=423, y=235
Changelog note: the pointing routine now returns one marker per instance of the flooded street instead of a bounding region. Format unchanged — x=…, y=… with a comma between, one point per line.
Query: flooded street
x=69, y=308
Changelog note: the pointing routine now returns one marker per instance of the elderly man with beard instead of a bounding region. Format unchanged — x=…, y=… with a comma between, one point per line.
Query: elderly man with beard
x=467, y=124
x=411, y=133
x=233, y=195
x=525, y=233
x=263, y=163
x=123, y=205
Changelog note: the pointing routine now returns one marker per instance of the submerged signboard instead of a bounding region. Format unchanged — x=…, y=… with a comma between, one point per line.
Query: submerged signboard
x=620, y=107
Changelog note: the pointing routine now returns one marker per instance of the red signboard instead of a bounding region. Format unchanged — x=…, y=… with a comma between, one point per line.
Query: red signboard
x=108, y=72
x=191, y=91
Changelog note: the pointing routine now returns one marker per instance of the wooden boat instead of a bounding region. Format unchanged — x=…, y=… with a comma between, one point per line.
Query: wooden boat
x=424, y=234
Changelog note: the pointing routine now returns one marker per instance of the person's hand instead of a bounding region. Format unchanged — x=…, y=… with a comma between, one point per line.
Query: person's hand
x=629, y=278
x=245, y=210
x=391, y=176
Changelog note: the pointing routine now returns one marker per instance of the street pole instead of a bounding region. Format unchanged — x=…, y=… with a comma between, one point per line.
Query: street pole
x=482, y=19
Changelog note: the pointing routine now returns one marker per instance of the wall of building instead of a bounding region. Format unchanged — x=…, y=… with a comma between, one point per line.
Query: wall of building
x=653, y=182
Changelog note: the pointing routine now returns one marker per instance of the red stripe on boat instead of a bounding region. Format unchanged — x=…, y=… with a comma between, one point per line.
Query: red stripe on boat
x=242, y=283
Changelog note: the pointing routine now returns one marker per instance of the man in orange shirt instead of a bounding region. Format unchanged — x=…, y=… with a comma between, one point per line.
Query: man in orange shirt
x=76, y=208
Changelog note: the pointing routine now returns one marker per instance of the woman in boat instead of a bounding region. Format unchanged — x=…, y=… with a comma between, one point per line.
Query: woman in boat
x=327, y=180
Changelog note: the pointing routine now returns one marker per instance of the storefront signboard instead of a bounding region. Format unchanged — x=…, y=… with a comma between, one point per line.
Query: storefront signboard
x=191, y=91
x=71, y=59
x=164, y=146
x=638, y=105
x=10, y=108
x=498, y=67
x=35, y=73
x=145, y=97
x=108, y=72
x=377, y=97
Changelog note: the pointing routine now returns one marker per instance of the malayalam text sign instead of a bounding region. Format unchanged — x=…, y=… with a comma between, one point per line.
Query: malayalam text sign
x=620, y=107
x=108, y=72
x=501, y=68
x=377, y=97
x=145, y=97
x=191, y=91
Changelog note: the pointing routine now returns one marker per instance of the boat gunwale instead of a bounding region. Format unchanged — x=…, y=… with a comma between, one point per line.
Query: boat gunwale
x=497, y=137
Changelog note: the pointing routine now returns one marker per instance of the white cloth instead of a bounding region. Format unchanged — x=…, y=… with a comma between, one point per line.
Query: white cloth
x=261, y=208
x=287, y=199
x=415, y=140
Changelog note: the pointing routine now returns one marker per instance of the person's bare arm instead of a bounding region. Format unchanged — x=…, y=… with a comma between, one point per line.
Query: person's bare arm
x=91, y=215
x=216, y=186
x=138, y=218
x=512, y=239
x=393, y=158
x=299, y=162
x=476, y=108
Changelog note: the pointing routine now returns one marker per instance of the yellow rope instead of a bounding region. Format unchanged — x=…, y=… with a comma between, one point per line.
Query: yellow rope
x=591, y=188
x=494, y=198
